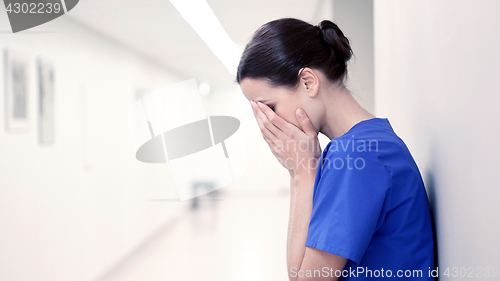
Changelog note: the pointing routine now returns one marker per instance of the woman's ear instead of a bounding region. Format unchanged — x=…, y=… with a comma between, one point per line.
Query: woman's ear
x=309, y=81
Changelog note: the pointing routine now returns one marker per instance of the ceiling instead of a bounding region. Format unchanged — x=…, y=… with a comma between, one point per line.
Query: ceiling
x=155, y=30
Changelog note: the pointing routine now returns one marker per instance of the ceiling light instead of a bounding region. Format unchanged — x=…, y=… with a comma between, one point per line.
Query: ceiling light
x=203, y=20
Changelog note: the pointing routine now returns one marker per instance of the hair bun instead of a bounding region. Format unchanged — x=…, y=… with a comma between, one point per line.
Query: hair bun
x=332, y=35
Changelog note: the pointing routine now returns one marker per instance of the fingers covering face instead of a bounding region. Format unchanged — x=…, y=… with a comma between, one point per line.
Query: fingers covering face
x=278, y=126
x=267, y=129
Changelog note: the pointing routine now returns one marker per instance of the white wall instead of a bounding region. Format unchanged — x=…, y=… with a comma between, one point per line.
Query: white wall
x=355, y=19
x=72, y=210
x=436, y=79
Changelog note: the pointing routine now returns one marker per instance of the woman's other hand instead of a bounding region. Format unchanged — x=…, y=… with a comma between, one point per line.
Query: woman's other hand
x=297, y=149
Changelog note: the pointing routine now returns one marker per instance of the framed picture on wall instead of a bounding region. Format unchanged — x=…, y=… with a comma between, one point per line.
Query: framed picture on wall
x=45, y=73
x=16, y=91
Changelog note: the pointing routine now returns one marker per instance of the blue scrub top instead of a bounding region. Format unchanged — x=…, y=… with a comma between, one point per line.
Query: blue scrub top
x=370, y=206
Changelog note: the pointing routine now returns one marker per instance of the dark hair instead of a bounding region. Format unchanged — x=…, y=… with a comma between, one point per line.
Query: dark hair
x=280, y=48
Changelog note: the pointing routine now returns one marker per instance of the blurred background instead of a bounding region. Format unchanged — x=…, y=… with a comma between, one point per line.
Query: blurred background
x=75, y=204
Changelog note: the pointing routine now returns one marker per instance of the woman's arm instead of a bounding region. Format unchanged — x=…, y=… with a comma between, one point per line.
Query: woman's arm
x=305, y=263
x=301, y=192
x=302, y=261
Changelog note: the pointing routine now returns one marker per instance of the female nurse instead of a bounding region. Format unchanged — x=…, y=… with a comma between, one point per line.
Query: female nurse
x=358, y=209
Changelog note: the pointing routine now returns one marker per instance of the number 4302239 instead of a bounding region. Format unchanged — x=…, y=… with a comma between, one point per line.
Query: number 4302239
x=471, y=272
x=33, y=8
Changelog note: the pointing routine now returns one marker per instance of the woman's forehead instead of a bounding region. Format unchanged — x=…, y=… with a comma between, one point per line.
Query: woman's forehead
x=255, y=89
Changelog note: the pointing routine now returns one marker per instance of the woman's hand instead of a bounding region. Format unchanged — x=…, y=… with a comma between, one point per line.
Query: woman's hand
x=297, y=149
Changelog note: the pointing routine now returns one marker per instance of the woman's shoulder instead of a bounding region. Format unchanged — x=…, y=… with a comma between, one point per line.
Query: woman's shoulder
x=372, y=140
x=369, y=136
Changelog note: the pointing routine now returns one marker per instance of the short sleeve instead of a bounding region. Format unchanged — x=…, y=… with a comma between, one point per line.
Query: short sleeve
x=349, y=201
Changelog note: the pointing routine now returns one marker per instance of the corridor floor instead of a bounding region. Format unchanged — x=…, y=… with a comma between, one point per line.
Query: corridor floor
x=234, y=237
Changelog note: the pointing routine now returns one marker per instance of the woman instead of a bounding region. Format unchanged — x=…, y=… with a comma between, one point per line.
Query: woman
x=359, y=208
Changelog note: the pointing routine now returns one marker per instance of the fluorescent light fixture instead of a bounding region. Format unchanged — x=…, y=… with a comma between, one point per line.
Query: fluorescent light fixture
x=203, y=20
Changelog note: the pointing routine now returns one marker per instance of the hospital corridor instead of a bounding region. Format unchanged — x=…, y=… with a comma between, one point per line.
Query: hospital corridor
x=229, y=237
x=129, y=150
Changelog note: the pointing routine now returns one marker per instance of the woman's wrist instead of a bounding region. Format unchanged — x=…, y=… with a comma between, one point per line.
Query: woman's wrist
x=306, y=176
x=311, y=171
